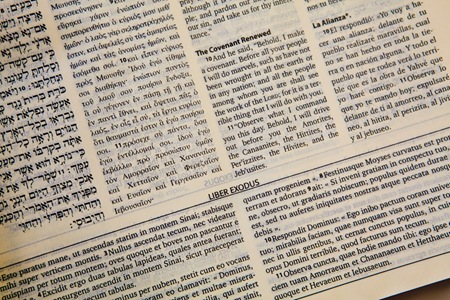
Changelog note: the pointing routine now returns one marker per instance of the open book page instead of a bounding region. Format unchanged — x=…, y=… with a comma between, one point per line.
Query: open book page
x=223, y=149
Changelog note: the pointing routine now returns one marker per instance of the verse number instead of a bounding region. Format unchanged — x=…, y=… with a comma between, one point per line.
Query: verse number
x=330, y=30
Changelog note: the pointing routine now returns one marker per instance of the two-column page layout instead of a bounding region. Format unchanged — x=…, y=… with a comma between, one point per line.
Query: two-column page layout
x=219, y=149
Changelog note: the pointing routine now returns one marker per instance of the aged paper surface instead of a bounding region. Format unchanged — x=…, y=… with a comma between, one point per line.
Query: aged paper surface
x=223, y=149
